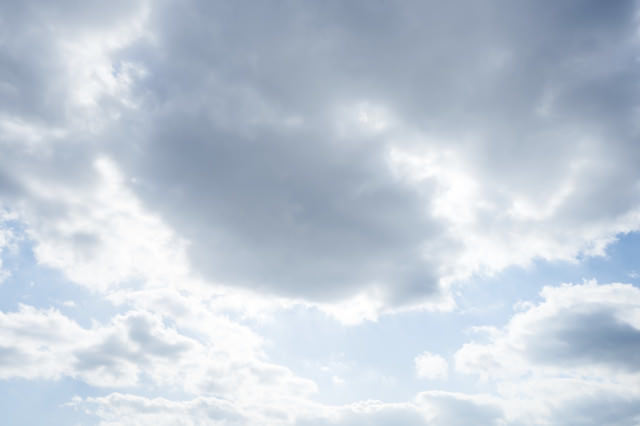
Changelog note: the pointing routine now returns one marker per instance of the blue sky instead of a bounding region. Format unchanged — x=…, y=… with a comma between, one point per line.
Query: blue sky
x=335, y=213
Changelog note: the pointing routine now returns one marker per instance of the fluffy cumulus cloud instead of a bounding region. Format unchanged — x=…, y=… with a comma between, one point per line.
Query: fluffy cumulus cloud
x=573, y=357
x=131, y=348
x=139, y=350
x=431, y=366
x=37, y=343
x=200, y=165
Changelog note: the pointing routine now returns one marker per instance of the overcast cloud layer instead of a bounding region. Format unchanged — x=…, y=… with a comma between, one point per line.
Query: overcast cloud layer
x=206, y=168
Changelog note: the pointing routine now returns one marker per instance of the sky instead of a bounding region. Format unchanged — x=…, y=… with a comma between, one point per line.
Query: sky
x=301, y=213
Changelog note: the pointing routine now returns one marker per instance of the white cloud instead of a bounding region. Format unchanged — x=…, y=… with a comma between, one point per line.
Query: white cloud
x=568, y=357
x=539, y=362
x=37, y=343
x=44, y=343
x=428, y=408
x=139, y=348
x=105, y=237
x=431, y=366
x=452, y=408
x=118, y=409
x=575, y=327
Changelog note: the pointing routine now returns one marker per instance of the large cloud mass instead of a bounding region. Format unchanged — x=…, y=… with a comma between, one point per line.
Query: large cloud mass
x=320, y=151
x=201, y=164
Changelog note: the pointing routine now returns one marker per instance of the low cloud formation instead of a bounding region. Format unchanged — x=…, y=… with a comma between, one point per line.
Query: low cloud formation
x=139, y=349
x=575, y=327
x=428, y=408
x=115, y=407
x=596, y=386
x=572, y=358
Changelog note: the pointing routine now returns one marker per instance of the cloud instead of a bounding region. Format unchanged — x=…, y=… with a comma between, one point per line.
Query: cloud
x=542, y=367
x=56, y=62
x=349, y=177
x=117, y=408
x=283, y=184
x=133, y=346
x=139, y=348
x=313, y=155
x=428, y=408
x=452, y=408
x=44, y=343
x=37, y=343
x=431, y=366
x=569, y=357
x=196, y=163
x=576, y=326
x=105, y=238
x=8, y=241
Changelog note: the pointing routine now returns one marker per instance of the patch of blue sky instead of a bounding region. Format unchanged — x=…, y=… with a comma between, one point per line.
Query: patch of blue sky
x=44, y=402
x=372, y=360
x=491, y=299
x=375, y=360
x=34, y=284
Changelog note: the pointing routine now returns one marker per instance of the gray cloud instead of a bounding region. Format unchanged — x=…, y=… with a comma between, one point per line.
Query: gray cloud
x=272, y=195
x=603, y=408
x=460, y=409
x=264, y=135
x=135, y=343
x=596, y=337
x=572, y=359
x=575, y=326
x=35, y=77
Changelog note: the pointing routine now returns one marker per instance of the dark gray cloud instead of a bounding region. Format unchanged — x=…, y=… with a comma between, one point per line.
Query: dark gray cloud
x=249, y=130
x=596, y=337
x=293, y=208
x=602, y=408
x=241, y=152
